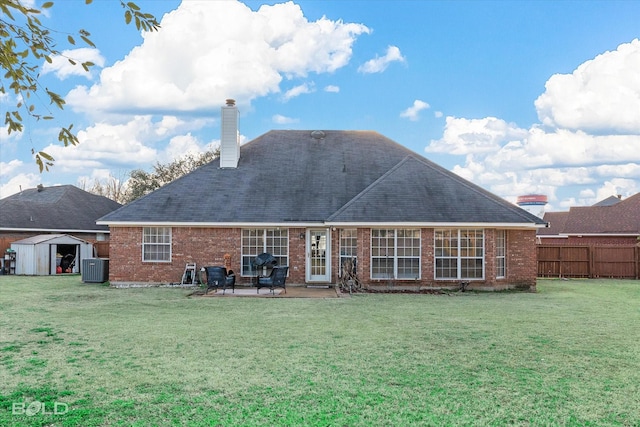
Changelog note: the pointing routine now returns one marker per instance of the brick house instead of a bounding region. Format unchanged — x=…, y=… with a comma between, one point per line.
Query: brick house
x=314, y=199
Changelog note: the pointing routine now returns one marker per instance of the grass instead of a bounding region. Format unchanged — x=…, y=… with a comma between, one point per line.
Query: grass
x=567, y=355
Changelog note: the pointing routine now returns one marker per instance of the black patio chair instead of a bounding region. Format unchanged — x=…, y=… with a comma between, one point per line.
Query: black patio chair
x=276, y=279
x=218, y=277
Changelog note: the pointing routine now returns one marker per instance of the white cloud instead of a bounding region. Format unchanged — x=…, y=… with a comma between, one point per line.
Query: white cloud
x=10, y=167
x=413, y=113
x=19, y=182
x=209, y=51
x=379, y=64
x=588, y=138
x=62, y=68
x=463, y=136
x=511, y=161
x=180, y=146
x=332, y=88
x=601, y=95
x=283, y=120
x=298, y=90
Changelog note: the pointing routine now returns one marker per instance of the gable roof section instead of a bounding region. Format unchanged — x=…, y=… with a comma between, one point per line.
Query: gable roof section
x=292, y=177
x=63, y=208
x=417, y=191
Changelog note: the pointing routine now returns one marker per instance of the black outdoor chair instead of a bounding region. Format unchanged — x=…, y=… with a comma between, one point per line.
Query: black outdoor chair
x=276, y=279
x=218, y=277
x=264, y=260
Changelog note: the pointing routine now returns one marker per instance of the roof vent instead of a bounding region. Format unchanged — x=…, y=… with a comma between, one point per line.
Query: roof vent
x=40, y=188
x=317, y=134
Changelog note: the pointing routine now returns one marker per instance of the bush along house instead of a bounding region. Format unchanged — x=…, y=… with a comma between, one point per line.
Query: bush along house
x=316, y=199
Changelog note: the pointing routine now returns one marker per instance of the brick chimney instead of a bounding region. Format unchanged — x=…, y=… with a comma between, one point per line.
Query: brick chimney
x=229, y=141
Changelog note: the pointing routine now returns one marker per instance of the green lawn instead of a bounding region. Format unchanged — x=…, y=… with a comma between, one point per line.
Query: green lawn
x=566, y=355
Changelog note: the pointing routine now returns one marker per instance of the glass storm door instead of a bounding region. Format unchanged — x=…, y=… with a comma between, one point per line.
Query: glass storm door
x=318, y=256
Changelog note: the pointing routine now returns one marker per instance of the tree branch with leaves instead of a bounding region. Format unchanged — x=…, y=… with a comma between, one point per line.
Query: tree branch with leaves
x=25, y=43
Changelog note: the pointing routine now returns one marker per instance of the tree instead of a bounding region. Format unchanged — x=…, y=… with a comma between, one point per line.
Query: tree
x=24, y=43
x=111, y=187
x=141, y=182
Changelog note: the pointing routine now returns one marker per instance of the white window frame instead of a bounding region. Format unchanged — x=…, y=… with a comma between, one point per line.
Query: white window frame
x=255, y=241
x=463, y=247
x=156, y=244
x=348, y=247
x=501, y=254
x=394, y=252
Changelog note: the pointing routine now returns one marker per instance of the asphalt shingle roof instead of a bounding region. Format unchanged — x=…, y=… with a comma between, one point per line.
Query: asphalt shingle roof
x=63, y=207
x=622, y=217
x=339, y=176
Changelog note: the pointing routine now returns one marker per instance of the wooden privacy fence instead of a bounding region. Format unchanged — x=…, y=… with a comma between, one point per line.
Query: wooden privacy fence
x=589, y=261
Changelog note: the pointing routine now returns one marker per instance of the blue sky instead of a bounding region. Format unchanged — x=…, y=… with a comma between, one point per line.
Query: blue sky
x=519, y=97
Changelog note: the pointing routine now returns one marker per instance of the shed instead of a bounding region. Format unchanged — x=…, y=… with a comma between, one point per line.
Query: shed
x=41, y=255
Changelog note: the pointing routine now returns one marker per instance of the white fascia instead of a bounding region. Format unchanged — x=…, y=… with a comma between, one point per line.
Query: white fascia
x=54, y=230
x=510, y=225
x=213, y=224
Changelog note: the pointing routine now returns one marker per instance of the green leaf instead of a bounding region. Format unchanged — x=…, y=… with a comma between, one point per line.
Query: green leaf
x=47, y=5
x=71, y=40
x=127, y=17
x=133, y=6
x=87, y=41
x=46, y=156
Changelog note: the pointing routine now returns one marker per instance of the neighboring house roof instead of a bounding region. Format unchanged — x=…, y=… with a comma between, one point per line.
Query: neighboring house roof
x=611, y=200
x=63, y=208
x=622, y=218
x=304, y=177
x=556, y=221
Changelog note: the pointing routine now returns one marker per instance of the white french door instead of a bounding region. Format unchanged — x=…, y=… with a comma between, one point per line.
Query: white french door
x=318, y=255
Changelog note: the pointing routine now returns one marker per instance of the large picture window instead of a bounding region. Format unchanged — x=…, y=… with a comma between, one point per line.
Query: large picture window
x=459, y=254
x=501, y=251
x=257, y=240
x=395, y=254
x=156, y=244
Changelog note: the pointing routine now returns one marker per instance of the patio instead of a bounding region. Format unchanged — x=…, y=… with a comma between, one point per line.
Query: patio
x=292, y=292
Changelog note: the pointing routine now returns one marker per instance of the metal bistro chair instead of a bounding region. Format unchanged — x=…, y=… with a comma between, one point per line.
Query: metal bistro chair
x=218, y=277
x=276, y=279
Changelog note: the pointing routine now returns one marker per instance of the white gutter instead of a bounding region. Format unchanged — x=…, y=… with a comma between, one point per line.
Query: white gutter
x=323, y=224
x=600, y=234
x=212, y=224
x=54, y=230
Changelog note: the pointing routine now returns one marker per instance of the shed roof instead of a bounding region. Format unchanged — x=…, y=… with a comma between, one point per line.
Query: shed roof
x=60, y=239
x=300, y=176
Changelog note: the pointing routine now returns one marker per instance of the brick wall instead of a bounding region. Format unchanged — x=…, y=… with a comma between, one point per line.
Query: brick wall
x=521, y=259
x=208, y=246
